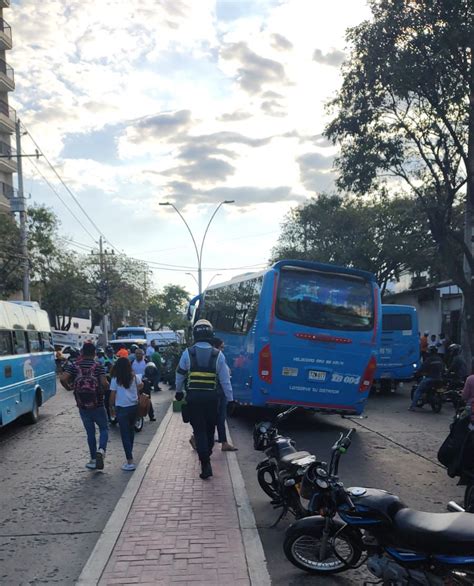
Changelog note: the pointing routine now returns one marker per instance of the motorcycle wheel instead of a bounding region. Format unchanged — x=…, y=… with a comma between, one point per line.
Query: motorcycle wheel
x=268, y=480
x=302, y=550
x=139, y=424
x=469, y=498
x=436, y=404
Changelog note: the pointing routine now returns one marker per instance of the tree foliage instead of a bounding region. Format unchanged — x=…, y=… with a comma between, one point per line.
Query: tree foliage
x=167, y=308
x=405, y=112
x=383, y=235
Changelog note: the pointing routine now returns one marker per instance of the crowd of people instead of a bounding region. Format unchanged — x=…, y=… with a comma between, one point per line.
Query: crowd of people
x=107, y=385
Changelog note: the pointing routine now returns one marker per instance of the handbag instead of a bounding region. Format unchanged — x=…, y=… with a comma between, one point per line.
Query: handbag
x=143, y=404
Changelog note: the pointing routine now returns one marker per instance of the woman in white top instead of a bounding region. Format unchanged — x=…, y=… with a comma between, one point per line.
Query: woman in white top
x=124, y=388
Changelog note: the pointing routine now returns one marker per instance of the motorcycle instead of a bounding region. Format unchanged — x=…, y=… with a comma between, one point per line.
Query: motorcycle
x=281, y=473
x=448, y=390
x=400, y=546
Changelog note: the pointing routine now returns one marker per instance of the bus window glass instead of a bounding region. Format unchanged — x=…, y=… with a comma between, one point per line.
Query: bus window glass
x=396, y=322
x=6, y=348
x=19, y=341
x=34, y=341
x=325, y=300
x=47, y=341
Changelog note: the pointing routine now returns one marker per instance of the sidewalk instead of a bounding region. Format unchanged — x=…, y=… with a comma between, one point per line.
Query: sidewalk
x=171, y=527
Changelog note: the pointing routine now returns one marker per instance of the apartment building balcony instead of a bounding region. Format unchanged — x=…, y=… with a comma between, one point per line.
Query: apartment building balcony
x=7, y=77
x=7, y=158
x=6, y=41
x=4, y=3
x=7, y=118
x=8, y=191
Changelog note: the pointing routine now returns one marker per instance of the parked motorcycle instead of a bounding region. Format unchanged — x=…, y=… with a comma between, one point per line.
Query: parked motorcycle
x=400, y=546
x=281, y=473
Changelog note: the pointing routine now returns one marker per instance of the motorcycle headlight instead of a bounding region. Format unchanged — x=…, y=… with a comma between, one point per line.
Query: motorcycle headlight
x=321, y=483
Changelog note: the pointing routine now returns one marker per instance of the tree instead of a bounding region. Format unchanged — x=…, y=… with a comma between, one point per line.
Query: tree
x=167, y=308
x=383, y=235
x=10, y=257
x=405, y=115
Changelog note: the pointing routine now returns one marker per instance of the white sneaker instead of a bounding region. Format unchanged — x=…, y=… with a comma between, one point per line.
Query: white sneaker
x=92, y=465
x=128, y=467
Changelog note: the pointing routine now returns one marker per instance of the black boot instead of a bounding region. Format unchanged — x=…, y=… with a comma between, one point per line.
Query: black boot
x=206, y=470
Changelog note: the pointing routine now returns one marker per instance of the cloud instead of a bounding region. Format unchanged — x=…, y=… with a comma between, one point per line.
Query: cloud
x=205, y=170
x=183, y=194
x=160, y=126
x=281, y=43
x=254, y=71
x=236, y=116
x=315, y=171
x=333, y=58
x=273, y=108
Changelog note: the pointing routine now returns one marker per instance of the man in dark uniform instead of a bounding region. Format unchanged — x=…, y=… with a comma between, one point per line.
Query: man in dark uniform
x=200, y=368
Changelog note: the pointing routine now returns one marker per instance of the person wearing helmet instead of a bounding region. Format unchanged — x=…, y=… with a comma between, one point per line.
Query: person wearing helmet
x=457, y=368
x=432, y=371
x=199, y=370
x=122, y=353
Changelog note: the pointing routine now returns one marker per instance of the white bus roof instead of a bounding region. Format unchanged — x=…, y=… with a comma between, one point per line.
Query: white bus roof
x=238, y=279
x=23, y=316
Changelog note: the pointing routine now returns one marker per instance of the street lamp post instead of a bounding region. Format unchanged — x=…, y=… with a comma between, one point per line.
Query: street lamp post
x=198, y=251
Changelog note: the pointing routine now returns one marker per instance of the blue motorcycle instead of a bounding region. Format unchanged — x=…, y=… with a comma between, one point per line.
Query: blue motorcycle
x=353, y=526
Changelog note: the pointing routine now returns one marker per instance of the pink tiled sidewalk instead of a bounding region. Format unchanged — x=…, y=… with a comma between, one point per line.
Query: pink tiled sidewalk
x=180, y=529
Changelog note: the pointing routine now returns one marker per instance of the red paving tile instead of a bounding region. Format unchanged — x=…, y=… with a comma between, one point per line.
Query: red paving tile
x=180, y=530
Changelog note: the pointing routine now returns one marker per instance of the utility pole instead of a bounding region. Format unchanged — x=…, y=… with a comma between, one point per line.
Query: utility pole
x=23, y=218
x=145, y=293
x=103, y=291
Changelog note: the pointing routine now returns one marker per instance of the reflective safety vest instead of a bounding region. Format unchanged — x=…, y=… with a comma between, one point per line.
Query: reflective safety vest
x=202, y=378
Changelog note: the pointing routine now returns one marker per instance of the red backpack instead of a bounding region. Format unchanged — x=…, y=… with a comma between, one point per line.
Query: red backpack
x=86, y=387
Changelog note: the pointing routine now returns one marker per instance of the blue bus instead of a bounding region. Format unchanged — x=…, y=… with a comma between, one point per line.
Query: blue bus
x=299, y=333
x=399, y=352
x=27, y=367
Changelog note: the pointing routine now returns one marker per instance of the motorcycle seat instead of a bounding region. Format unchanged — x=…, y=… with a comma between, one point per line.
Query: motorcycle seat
x=435, y=533
x=289, y=458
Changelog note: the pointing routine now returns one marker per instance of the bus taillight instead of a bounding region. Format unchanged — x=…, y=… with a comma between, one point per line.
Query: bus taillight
x=368, y=376
x=265, y=364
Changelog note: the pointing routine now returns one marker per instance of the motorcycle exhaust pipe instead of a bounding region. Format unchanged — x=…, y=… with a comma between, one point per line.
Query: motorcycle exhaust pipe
x=455, y=508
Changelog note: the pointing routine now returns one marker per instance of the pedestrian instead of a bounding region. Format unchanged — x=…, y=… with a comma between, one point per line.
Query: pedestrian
x=124, y=388
x=442, y=346
x=150, y=349
x=200, y=368
x=424, y=345
x=222, y=408
x=158, y=362
x=87, y=378
x=433, y=341
x=138, y=362
x=432, y=369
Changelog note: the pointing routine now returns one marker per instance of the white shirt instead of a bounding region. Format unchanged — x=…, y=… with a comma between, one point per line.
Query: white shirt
x=149, y=351
x=139, y=367
x=125, y=397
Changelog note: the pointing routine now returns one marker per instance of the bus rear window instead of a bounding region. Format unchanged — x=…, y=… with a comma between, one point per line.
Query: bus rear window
x=392, y=322
x=325, y=300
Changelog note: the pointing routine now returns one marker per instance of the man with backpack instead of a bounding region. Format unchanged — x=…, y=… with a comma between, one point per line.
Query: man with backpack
x=86, y=377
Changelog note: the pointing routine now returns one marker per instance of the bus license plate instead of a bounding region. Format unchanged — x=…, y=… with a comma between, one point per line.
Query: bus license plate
x=317, y=375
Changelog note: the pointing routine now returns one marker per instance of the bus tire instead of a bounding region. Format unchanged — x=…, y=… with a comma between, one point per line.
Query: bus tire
x=33, y=416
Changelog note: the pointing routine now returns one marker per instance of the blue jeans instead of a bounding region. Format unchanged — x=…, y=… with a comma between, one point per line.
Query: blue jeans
x=91, y=418
x=126, y=417
x=221, y=417
x=424, y=385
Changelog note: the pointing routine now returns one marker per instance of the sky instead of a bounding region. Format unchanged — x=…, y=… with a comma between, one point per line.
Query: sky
x=191, y=102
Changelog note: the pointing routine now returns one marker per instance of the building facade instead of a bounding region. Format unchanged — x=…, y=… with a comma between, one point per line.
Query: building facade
x=8, y=163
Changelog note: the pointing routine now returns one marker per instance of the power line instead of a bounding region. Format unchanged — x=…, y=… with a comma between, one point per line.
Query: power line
x=68, y=189
x=53, y=189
